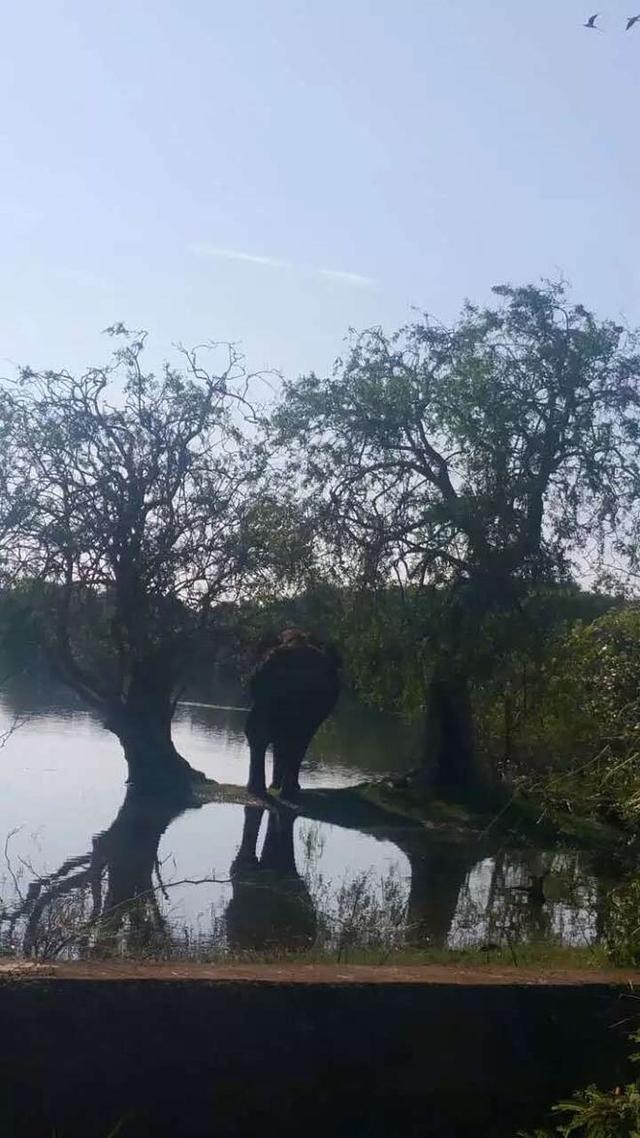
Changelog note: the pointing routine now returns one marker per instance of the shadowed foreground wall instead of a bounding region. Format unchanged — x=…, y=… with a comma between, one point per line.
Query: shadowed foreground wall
x=194, y=1057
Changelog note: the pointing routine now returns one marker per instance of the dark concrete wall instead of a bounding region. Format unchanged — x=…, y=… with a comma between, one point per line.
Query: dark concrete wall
x=185, y=1059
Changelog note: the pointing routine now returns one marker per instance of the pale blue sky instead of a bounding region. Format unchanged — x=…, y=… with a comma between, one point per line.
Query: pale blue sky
x=425, y=150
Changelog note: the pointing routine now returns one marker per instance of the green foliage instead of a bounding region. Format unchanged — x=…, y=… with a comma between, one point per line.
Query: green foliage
x=571, y=691
x=605, y=659
x=384, y=644
x=621, y=920
x=590, y=702
x=487, y=450
x=468, y=464
x=391, y=640
x=593, y=1113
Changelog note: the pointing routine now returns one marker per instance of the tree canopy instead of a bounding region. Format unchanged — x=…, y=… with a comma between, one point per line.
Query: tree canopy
x=474, y=461
x=497, y=446
x=145, y=503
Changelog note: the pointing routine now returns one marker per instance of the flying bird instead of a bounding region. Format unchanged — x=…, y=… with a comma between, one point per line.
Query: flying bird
x=632, y=21
x=591, y=22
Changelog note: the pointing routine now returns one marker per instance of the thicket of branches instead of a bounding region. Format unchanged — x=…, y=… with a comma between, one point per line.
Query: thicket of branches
x=135, y=505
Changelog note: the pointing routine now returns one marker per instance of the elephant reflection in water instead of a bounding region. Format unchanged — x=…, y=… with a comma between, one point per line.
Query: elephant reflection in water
x=271, y=907
x=109, y=899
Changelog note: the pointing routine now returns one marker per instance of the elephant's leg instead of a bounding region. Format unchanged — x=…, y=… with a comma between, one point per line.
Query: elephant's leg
x=281, y=761
x=292, y=753
x=278, y=767
x=257, y=753
x=294, y=769
x=290, y=744
x=258, y=739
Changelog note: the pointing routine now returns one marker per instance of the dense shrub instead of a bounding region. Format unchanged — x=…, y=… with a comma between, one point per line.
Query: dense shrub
x=593, y=1113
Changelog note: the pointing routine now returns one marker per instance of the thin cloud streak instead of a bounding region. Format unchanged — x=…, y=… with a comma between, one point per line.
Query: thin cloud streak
x=348, y=278
x=212, y=252
x=236, y=255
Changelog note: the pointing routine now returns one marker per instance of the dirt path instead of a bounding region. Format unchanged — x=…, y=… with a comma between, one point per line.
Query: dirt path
x=318, y=974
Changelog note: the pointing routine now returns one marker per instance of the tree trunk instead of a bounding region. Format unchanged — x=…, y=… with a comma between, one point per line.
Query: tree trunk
x=142, y=723
x=450, y=759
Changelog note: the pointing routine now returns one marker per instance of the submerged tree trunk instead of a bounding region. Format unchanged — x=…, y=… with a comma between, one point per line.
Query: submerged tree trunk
x=142, y=723
x=450, y=759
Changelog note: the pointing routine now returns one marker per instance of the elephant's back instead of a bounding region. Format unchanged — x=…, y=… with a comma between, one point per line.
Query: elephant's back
x=294, y=674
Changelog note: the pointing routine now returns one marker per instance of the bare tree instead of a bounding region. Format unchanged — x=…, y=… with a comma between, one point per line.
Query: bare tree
x=146, y=505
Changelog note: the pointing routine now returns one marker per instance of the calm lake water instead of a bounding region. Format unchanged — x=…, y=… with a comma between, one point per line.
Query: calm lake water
x=63, y=787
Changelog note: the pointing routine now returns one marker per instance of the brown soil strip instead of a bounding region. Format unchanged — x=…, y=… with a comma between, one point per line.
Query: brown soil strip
x=316, y=974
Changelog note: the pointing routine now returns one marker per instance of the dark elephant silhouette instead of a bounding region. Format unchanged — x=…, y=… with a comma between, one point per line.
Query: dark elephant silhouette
x=294, y=686
x=271, y=907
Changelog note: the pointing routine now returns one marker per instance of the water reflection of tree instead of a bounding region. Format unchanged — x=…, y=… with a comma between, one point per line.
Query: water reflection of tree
x=465, y=893
x=111, y=899
x=503, y=903
x=518, y=897
x=439, y=871
x=106, y=900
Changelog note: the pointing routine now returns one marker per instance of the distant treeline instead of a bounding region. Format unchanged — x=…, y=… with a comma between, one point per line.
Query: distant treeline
x=388, y=642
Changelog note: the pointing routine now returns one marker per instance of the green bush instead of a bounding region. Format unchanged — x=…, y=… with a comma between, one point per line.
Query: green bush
x=622, y=924
x=606, y=659
x=569, y=697
x=592, y=1113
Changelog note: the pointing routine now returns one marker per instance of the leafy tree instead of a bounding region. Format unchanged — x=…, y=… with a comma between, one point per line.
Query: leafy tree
x=147, y=506
x=476, y=459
